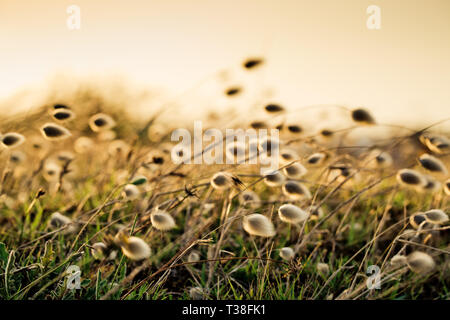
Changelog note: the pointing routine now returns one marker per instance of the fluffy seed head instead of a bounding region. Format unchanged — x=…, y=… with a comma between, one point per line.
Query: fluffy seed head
x=162, y=221
x=12, y=139
x=295, y=171
x=399, y=260
x=432, y=185
x=417, y=219
x=17, y=157
x=250, y=198
x=131, y=191
x=316, y=159
x=258, y=225
x=295, y=190
x=252, y=63
x=290, y=213
x=196, y=293
x=323, y=268
x=132, y=247
x=193, y=256
x=409, y=177
x=273, y=108
x=57, y=221
x=432, y=164
x=118, y=148
x=63, y=115
x=53, y=131
x=288, y=155
x=274, y=179
x=420, y=262
x=436, y=216
x=436, y=144
x=362, y=116
x=51, y=171
x=100, y=122
x=287, y=253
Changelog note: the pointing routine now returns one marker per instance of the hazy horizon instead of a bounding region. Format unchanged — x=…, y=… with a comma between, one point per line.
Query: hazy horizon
x=317, y=52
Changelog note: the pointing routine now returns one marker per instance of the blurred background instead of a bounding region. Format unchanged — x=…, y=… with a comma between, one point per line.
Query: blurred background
x=316, y=52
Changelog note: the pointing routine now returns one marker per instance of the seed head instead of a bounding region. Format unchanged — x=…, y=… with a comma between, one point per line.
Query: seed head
x=362, y=116
x=63, y=115
x=100, y=122
x=409, y=177
x=57, y=221
x=295, y=171
x=436, y=216
x=258, y=225
x=295, y=190
x=287, y=253
x=420, y=262
x=432, y=164
x=323, y=268
x=162, y=221
x=316, y=159
x=12, y=139
x=132, y=247
x=131, y=191
x=290, y=213
x=274, y=179
x=53, y=131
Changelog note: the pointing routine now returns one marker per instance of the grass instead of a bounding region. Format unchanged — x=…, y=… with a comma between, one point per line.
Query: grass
x=362, y=223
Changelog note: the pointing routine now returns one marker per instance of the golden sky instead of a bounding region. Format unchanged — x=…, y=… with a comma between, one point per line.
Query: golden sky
x=318, y=52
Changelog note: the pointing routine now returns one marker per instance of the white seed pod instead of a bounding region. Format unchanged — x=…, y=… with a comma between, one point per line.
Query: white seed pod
x=295, y=190
x=399, y=260
x=63, y=115
x=420, y=262
x=131, y=191
x=436, y=216
x=290, y=213
x=316, y=159
x=12, y=140
x=225, y=180
x=258, y=225
x=447, y=187
x=433, y=164
x=133, y=247
x=295, y=171
x=52, y=131
x=83, y=145
x=51, y=171
x=98, y=250
x=417, y=219
x=411, y=178
x=323, y=268
x=100, y=122
x=274, y=179
x=249, y=198
x=118, y=148
x=162, y=221
x=287, y=253
x=57, y=221
x=194, y=256
x=17, y=157
x=436, y=144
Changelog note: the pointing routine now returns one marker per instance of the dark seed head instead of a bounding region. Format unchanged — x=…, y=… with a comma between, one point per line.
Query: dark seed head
x=60, y=106
x=272, y=108
x=294, y=128
x=252, y=63
x=233, y=91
